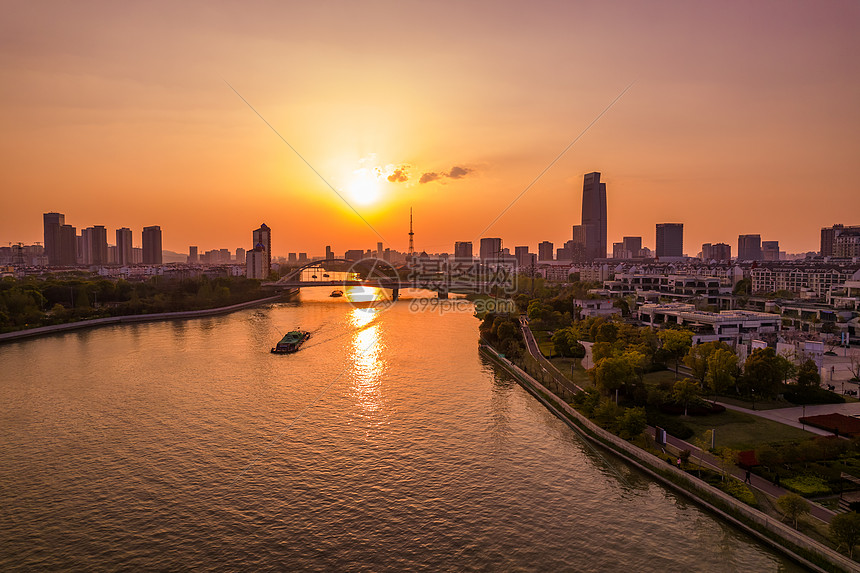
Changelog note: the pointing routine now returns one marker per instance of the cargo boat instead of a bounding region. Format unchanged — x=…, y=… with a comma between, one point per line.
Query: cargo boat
x=291, y=342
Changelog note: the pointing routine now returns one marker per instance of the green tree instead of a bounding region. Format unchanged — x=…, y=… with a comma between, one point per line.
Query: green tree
x=845, y=529
x=675, y=344
x=807, y=375
x=722, y=368
x=697, y=358
x=612, y=373
x=793, y=506
x=632, y=423
x=762, y=373
x=686, y=390
x=727, y=460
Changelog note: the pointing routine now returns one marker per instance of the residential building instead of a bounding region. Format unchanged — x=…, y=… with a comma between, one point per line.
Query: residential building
x=720, y=252
x=94, y=245
x=491, y=249
x=240, y=256
x=463, y=250
x=545, y=251
x=124, y=246
x=193, y=258
x=770, y=250
x=263, y=236
x=152, y=245
x=730, y=326
x=257, y=262
x=51, y=223
x=670, y=240
x=749, y=248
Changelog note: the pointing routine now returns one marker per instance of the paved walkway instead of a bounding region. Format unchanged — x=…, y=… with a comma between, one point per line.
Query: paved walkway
x=708, y=460
x=791, y=416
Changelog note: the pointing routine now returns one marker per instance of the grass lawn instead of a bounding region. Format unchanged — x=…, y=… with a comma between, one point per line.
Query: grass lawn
x=655, y=378
x=759, y=404
x=741, y=431
x=576, y=374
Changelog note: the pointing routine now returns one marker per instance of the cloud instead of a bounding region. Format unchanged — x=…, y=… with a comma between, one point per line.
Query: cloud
x=456, y=172
x=459, y=172
x=399, y=175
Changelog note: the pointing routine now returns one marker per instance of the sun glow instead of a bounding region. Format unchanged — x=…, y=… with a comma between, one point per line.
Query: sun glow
x=364, y=188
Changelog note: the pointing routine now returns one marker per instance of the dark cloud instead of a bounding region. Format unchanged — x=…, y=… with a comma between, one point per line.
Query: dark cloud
x=399, y=176
x=458, y=172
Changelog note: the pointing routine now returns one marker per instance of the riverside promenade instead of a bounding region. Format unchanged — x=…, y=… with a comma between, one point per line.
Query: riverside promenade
x=130, y=318
x=677, y=445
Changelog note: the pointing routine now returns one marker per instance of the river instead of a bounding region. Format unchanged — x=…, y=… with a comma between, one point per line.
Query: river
x=387, y=443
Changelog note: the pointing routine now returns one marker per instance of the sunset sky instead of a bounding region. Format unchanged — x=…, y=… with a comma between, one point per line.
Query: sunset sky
x=743, y=117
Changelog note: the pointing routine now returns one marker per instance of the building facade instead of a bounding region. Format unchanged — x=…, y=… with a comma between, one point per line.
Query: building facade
x=152, y=245
x=670, y=240
x=593, y=216
x=749, y=247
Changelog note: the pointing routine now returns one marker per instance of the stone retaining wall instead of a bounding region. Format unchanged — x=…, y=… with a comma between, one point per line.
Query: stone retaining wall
x=675, y=478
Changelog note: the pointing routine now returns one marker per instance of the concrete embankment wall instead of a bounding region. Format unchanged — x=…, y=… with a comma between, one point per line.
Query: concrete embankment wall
x=55, y=328
x=765, y=528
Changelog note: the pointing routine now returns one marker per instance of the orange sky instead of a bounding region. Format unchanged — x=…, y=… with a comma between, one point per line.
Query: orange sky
x=744, y=118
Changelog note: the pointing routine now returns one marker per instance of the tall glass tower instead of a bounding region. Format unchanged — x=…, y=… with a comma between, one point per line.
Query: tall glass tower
x=593, y=216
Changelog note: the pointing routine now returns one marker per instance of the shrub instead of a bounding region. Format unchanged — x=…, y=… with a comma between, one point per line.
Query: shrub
x=806, y=485
x=739, y=491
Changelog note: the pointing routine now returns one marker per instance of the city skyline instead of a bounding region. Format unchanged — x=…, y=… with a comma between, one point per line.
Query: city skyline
x=736, y=119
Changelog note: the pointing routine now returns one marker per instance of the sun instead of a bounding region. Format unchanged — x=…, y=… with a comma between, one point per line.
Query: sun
x=363, y=188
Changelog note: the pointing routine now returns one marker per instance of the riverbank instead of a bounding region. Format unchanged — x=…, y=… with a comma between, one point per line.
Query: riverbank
x=132, y=318
x=809, y=553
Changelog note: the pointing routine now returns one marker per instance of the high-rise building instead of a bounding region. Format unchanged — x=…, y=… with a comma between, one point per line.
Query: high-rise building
x=847, y=244
x=123, y=246
x=632, y=247
x=716, y=252
x=593, y=214
x=749, y=247
x=303, y=257
x=94, y=245
x=545, y=251
x=463, y=250
x=523, y=257
x=240, y=256
x=193, y=258
x=670, y=240
x=68, y=245
x=152, y=245
x=263, y=236
x=829, y=237
x=491, y=249
x=257, y=263
x=770, y=250
x=51, y=225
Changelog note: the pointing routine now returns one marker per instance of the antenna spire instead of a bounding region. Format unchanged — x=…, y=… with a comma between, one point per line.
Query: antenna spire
x=411, y=235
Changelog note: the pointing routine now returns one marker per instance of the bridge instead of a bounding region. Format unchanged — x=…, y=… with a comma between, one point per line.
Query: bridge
x=315, y=274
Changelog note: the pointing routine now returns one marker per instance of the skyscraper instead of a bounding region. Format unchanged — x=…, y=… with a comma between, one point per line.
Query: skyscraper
x=463, y=250
x=491, y=249
x=716, y=252
x=593, y=216
x=123, y=246
x=263, y=236
x=545, y=251
x=670, y=240
x=94, y=245
x=193, y=258
x=749, y=247
x=152, y=245
x=770, y=250
x=52, y=223
x=68, y=245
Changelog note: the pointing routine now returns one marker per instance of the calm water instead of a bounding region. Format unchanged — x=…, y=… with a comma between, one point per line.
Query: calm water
x=187, y=445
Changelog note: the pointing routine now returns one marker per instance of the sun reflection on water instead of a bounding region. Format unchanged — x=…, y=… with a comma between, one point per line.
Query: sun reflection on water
x=366, y=354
